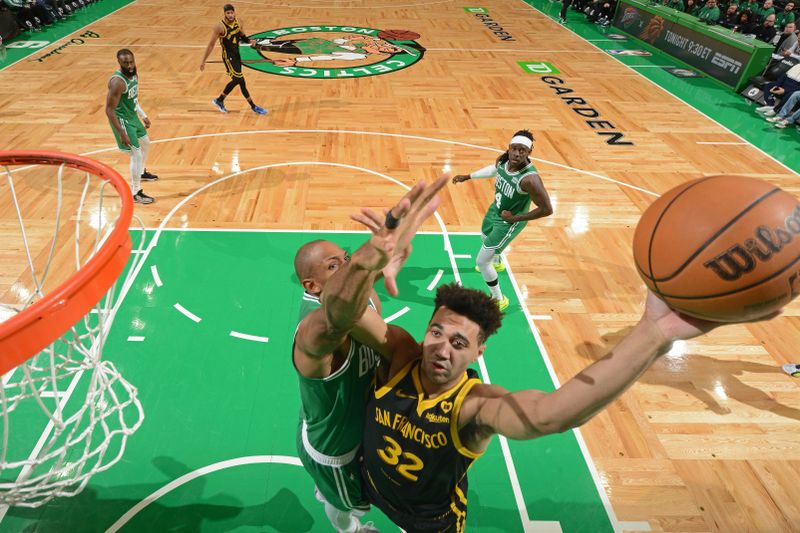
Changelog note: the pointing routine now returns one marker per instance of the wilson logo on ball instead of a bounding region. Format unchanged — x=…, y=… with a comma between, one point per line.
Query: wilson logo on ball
x=740, y=259
x=723, y=248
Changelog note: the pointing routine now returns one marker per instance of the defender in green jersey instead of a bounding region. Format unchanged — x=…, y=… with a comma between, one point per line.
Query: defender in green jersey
x=516, y=184
x=123, y=112
x=335, y=362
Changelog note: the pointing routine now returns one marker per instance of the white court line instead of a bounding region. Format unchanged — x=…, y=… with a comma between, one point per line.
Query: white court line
x=651, y=66
x=398, y=314
x=186, y=478
x=186, y=312
x=156, y=277
x=377, y=134
x=541, y=317
x=462, y=256
x=135, y=338
x=612, y=516
x=635, y=526
x=435, y=279
x=719, y=142
x=51, y=394
x=248, y=337
x=8, y=375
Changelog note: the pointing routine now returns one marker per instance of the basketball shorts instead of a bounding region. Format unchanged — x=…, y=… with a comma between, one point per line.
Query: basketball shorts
x=339, y=485
x=135, y=130
x=233, y=64
x=496, y=233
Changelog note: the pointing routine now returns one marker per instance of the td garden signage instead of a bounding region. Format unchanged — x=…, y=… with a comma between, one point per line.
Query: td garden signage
x=332, y=52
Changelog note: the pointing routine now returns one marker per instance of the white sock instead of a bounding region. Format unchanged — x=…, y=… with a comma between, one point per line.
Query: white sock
x=144, y=144
x=136, y=169
x=342, y=521
x=484, y=262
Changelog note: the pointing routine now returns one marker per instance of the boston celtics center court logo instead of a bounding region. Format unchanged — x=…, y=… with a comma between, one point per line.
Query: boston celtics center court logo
x=332, y=52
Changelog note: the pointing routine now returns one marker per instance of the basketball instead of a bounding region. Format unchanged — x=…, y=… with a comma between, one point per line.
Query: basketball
x=398, y=35
x=722, y=248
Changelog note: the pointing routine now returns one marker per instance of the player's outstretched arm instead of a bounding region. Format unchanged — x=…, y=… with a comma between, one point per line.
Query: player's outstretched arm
x=530, y=414
x=488, y=171
x=347, y=292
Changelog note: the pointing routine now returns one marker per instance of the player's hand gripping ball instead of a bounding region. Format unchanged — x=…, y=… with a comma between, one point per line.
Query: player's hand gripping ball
x=722, y=248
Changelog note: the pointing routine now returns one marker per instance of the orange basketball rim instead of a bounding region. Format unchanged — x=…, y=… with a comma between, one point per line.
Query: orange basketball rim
x=25, y=334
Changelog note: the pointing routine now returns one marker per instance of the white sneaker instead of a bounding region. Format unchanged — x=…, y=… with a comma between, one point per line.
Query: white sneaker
x=775, y=119
x=369, y=527
x=792, y=369
x=766, y=110
x=782, y=123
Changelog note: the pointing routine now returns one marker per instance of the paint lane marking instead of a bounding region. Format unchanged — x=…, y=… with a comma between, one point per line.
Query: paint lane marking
x=187, y=313
x=248, y=337
x=435, y=279
x=156, y=277
x=398, y=314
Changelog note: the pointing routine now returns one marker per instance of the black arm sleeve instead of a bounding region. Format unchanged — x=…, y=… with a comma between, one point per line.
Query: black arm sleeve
x=244, y=38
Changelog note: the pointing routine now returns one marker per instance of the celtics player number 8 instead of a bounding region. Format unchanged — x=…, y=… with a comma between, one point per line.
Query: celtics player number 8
x=391, y=456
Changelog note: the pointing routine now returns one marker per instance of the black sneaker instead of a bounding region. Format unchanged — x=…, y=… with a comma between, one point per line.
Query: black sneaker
x=142, y=198
x=147, y=176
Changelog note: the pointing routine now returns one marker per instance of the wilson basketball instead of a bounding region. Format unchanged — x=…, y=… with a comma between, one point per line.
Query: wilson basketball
x=723, y=248
x=398, y=35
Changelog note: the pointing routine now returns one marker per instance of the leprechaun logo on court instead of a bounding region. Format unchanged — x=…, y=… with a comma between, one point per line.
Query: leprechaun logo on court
x=332, y=52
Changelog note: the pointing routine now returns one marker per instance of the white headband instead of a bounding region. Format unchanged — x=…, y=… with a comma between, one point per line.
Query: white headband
x=519, y=139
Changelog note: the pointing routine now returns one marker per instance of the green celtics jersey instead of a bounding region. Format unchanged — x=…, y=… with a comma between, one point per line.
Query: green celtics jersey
x=126, y=108
x=508, y=196
x=332, y=409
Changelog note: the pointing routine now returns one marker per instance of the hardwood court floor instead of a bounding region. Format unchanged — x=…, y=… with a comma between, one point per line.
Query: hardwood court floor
x=706, y=441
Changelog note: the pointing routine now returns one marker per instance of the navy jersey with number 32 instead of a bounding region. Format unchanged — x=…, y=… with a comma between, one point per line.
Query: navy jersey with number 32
x=414, y=462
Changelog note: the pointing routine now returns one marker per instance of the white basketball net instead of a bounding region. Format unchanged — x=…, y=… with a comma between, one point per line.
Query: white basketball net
x=66, y=412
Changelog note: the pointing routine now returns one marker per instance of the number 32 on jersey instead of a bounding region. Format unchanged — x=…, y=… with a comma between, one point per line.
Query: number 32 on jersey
x=406, y=463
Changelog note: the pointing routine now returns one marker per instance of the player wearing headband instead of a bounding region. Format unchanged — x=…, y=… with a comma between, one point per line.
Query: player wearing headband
x=517, y=183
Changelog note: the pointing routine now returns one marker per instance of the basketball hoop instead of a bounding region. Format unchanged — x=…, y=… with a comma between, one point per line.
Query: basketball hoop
x=54, y=331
